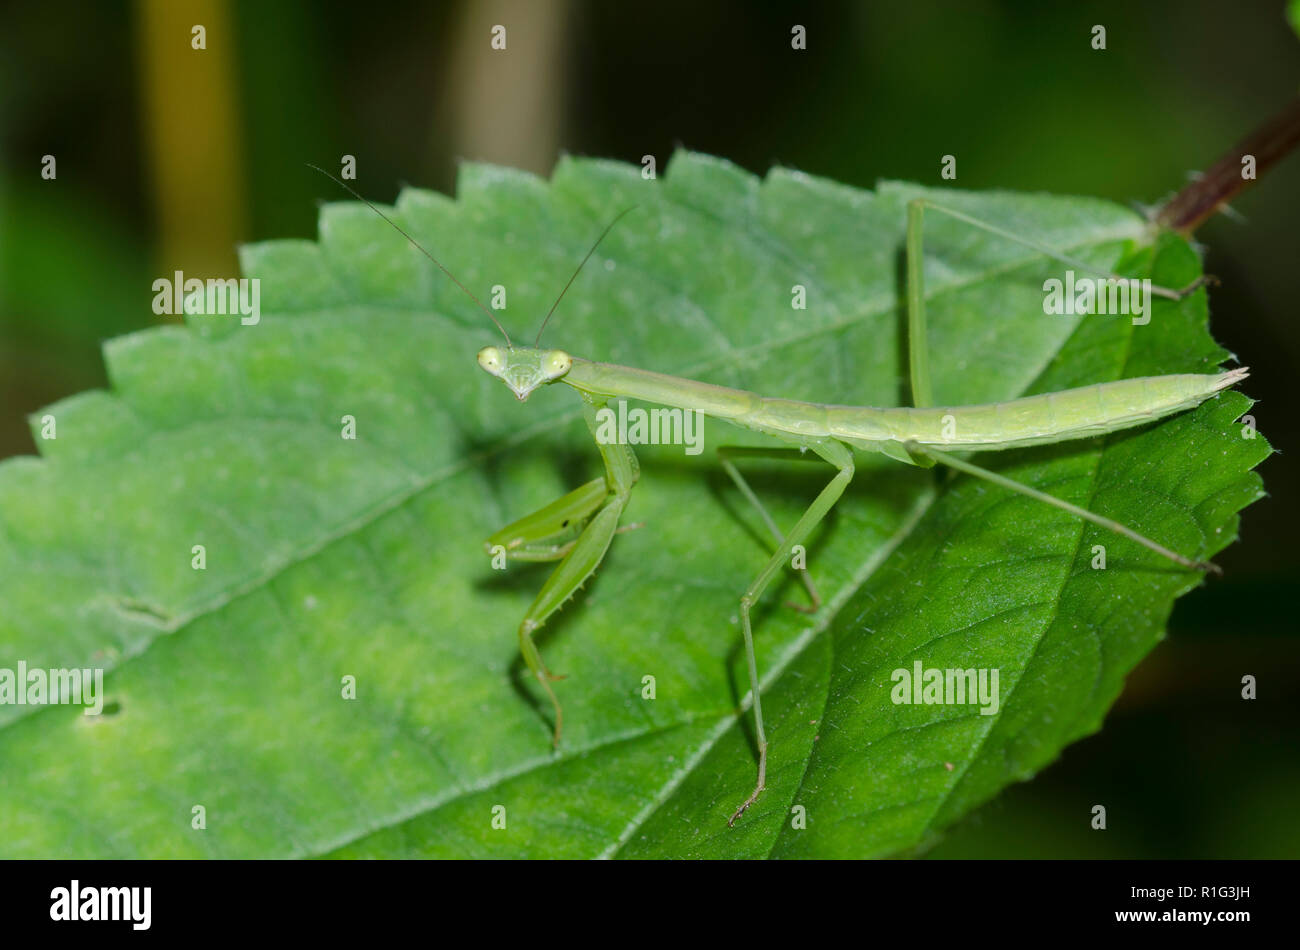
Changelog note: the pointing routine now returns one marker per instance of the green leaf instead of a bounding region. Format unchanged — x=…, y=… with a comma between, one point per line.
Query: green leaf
x=329, y=558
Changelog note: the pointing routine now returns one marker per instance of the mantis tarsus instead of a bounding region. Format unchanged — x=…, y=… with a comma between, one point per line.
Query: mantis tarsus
x=577, y=529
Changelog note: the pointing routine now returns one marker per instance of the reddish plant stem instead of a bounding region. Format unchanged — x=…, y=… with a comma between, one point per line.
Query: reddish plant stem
x=1269, y=144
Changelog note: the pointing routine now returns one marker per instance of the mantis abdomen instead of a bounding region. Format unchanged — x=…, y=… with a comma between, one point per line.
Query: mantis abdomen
x=1032, y=420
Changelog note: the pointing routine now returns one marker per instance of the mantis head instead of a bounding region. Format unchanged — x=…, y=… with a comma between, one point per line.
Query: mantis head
x=524, y=368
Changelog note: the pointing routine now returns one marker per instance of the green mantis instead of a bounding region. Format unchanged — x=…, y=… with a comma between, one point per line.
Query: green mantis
x=577, y=529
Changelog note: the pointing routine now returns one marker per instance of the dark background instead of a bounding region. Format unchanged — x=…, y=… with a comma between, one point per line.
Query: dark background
x=168, y=158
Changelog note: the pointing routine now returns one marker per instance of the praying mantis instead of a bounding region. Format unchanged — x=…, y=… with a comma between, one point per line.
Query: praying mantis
x=577, y=529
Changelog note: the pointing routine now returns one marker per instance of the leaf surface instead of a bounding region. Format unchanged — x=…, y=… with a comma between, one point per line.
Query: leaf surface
x=329, y=558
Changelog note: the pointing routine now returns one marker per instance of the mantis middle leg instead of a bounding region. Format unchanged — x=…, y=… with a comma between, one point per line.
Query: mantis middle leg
x=837, y=454
x=725, y=455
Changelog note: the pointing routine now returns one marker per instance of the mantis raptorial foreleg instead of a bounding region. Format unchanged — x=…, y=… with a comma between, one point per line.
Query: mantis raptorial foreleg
x=725, y=455
x=600, y=503
x=550, y=532
x=837, y=454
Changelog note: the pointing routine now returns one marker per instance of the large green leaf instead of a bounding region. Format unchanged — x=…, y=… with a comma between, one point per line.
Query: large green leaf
x=329, y=558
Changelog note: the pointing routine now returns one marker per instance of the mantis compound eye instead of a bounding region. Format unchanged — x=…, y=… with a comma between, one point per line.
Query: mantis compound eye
x=557, y=364
x=490, y=359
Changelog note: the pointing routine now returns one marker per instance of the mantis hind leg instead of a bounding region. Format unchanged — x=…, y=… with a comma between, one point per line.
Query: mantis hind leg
x=838, y=455
x=1121, y=529
x=917, y=348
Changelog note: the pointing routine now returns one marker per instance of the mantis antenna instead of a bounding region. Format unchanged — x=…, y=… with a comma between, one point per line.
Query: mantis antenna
x=609, y=227
x=416, y=244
